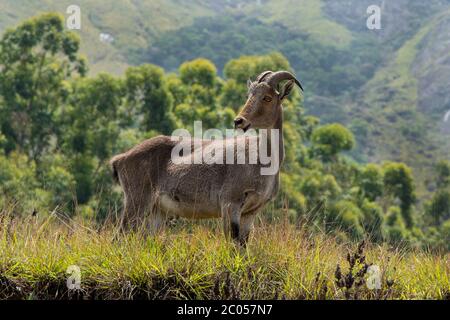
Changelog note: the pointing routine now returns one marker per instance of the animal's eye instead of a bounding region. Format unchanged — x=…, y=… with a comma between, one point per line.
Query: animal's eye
x=267, y=99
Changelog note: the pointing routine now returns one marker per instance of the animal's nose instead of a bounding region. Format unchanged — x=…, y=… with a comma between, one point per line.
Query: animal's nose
x=238, y=121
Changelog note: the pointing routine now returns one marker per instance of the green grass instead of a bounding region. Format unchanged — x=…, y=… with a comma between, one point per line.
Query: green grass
x=194, y=261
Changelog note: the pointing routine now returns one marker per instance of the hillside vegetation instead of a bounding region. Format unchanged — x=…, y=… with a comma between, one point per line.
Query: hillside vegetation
x=133, y=24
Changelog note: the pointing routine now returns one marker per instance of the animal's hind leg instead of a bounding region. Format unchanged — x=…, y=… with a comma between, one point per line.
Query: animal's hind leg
x=135, y=208
x=231, y=216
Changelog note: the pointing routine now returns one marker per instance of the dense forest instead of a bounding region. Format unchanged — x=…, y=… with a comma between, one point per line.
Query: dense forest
x=59, y=127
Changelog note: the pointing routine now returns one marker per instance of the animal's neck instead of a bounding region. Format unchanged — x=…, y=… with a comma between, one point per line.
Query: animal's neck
x=279, y=126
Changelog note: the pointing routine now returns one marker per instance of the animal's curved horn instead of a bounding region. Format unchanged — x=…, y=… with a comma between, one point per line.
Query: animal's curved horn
x=275, y=78
x=263, y=75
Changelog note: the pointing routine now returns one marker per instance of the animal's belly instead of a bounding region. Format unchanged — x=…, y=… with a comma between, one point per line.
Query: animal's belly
x=189, y=210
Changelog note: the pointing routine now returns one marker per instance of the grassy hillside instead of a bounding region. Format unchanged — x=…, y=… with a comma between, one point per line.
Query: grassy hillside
x=194, y=262
x=133, y=24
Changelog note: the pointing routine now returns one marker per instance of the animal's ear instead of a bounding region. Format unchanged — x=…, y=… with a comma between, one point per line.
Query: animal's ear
x=286, y=89
x=249, y=83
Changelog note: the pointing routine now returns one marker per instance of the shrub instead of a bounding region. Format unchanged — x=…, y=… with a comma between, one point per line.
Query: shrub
x=438, y=209
x=372, y=219
x=371, y=181
x=346, y=215
x=329, y=140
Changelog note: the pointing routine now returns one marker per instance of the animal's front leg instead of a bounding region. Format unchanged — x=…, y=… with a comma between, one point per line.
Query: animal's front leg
x=247, y=221
x=231, y=216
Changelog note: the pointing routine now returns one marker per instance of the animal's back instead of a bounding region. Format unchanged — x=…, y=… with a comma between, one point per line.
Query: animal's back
x=146, y=159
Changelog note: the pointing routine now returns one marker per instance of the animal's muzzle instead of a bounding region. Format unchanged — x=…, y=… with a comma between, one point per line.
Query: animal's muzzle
x=241, y=123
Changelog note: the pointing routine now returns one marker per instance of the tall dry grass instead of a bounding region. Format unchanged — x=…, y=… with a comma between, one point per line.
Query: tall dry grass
x=194, y=261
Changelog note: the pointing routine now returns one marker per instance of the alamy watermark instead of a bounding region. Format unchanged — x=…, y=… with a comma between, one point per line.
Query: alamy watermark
x=374, y=20
x=74, y=278
x=232, y=148
x=73, y=21
x=374, y=277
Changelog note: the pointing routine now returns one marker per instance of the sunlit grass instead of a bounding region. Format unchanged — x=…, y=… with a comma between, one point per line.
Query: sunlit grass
x=194, y=261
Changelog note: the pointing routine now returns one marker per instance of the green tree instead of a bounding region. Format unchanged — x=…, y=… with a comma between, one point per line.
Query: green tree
x=443, y=174
x=148, y=94
x=176, y=88
x=19, y=186
x=345, y=215
x=199, y=71
x=89, y=129
x=445, y=234
x=233, y=95
x=247, y=67
x=398, y=181
x=371, y=181
x=57, y=180
x=372, y=220
x=35, y=60
x=3, y=142
x=329, y=140
x=95, y=104
x=395, y=230
x=319, y=188
x=439, y=206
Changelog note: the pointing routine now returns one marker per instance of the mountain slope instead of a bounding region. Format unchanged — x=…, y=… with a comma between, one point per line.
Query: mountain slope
x=133, y=24
x=403, y=105
x=306, y=16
